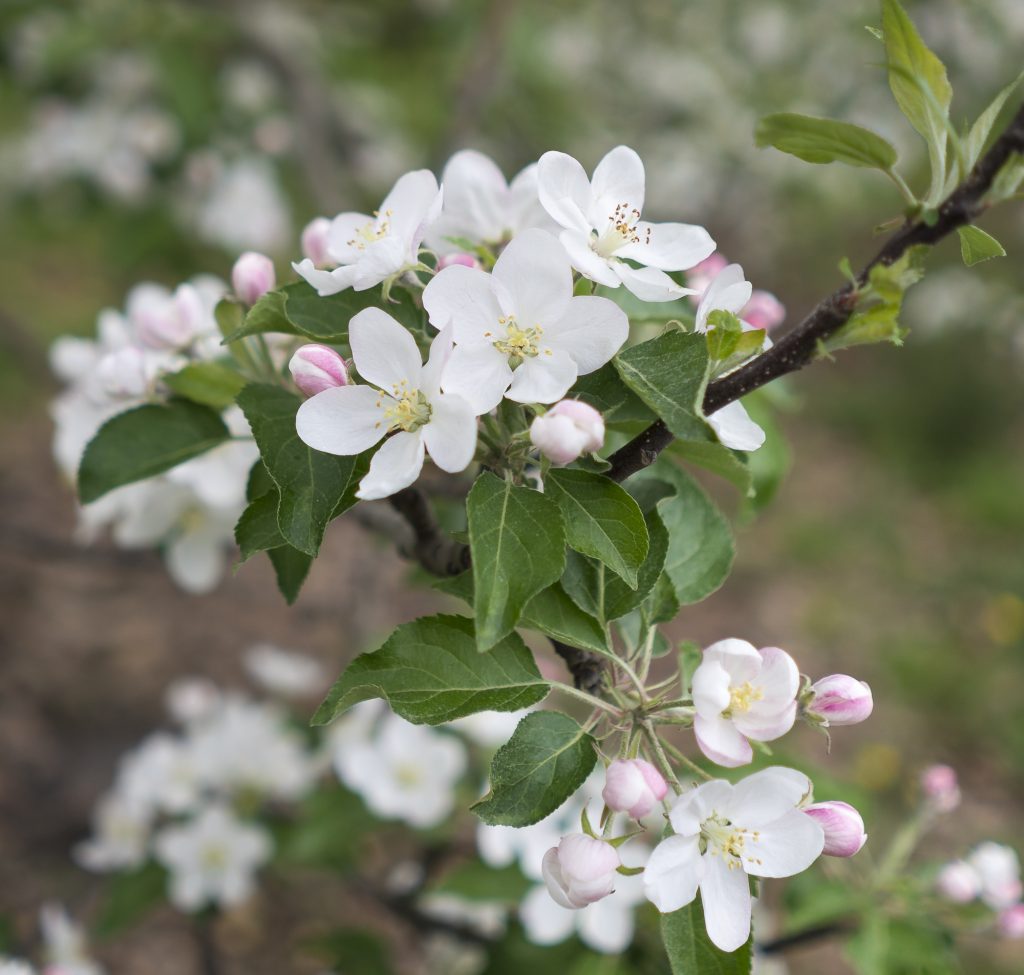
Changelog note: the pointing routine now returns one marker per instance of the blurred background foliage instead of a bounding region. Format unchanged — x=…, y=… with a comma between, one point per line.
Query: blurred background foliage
x=154, y=140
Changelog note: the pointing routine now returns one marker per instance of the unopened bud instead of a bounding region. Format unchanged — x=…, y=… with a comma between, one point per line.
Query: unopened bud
x=253, y=276
x=568, y=430
x=316, y=368
x=940, y=788
x=958, y=882
x=763, y=310
x=314, y=241
x=633, y=786
x=840, y=700
x=842, y=825
x=580, y=870
x=466, y=260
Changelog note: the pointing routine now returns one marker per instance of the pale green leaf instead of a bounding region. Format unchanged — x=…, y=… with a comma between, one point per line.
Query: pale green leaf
x=821, y=140
x=977, y=246
x=209, y=383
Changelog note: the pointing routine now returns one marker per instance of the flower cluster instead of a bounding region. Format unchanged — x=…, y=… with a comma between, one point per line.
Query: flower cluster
x=65, y=949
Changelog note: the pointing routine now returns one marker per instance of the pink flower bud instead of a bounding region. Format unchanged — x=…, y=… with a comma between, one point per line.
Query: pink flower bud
x=124, y=374
x=253, y=276
x=940, y=788
x=580, y=870
x=633, y=786
x=316, y=368
x=763, y=310
x=841, y=700
x=314, y=241
x=466, y=260
x=1011, y=922
x=958, y=882
x=568, y=430
x=843, y=827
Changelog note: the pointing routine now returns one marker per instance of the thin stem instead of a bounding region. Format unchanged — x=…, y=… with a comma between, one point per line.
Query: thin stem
x=594, y=702
x=905, y=191
x=688, y=762
x=660, y=758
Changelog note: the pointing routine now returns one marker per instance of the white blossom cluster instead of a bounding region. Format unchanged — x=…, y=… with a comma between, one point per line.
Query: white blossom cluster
x=64, y=947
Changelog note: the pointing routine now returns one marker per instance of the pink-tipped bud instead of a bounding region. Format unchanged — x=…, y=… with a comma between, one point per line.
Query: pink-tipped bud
x=124, y=374
x=567, y=431
x=1011, y=922
x=958, y=882
x=842, y=825
x=466, y=260
x=253, y=276
x=314, y=241
x=316, y=368
x=633, y=786
x=580, y=870
x=840, y=700
x=763, y=310
x=940, y=787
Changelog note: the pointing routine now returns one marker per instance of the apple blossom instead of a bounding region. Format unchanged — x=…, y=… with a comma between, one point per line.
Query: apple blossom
x=162, y=320
x=120, y=839
x=369, y=250
x=998, y=871
x=127, y=373
x=842, y=825
x=212, y=859
x=481, y=207
x=283, y=672
x=728, y=291
x=160, y=772
x=602, y=229
x=65, y=944
x=580, y=870
x=405, y=399
x=724, y=832
x=633, y=786
x=252, y=276
x=314, y=241
x=701, y=274
x=1011, y=922
x=958, y=882
x=567, y=431
x=763, y=310
x=488, y=729
x=518, y=331
x=742, y=693
x=840, y=700
x=940, y=788
x=191, y=700
x=315, y=368
x=735, y=429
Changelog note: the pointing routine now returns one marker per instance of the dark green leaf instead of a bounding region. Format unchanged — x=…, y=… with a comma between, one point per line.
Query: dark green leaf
x=822, y=140
x=545, y=761
x=718, y=459
x=605, y=391
x=690, y=951
x=145, y=441
x=291, y=568
x=619, y=599
x=209, y=383
x=256, y=530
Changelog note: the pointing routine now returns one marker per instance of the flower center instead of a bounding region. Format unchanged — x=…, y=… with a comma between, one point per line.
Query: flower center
x=518, y=343
x=622, y=229
x=409, y=409
x=740, y=698
x=408, y=775
x=372, y=231
x=722, y=838
x=213, y=857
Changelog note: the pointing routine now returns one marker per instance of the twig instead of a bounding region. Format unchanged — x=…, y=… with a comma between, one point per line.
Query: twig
x=434, y=550
x=787, y=941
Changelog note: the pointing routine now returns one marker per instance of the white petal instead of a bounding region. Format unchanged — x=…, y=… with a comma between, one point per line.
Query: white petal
x=710, y=688
x=785, y=847
x=725, y=895
x=478, y=373
x=342, y=420
x=564, y=190
x=544, y=920
x=326, y=282
x=543, y=379
x=195, y=560
x=413, y=202
x=592, y=330
x=395, y=466
x=728, y=291
x=381, y=259
x=735, y=429
x=618, y=180
x=533, y=279
x=673, y=873
x=607, y=925
x=648, y=283
x=343, y=234
x=524, y=209
x=740, y=659
x=384, y=352
x=450, y=436
x=437, y=361
x=765, y=725
x=778, y=682
x=669, y=246
x=463, y=298
x=767, y=795
x=691, y=808
x=586, y=260
x=475, y=194
x=718, y=739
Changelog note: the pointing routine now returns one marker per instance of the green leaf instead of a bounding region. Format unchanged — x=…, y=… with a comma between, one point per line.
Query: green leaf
x=145, y=441
x=312, y=484
x=476, y=881
x=129, y=896
x=605, y=391
x=601, y=520
x=256, y=530
x=291, y=568
x=1008, y=180
x=690, y=950
x=718, y=459
x=977, y=246
x=209, y=383
x=518, y=548
x=544, y=762
x=822, y=140
x=619, y=599
x=975, y=141
x=228, y=314
x=429, y=671
x=669, y=374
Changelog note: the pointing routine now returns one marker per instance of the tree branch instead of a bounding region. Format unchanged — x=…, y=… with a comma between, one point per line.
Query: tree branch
x=437, y=552
x=800, y=346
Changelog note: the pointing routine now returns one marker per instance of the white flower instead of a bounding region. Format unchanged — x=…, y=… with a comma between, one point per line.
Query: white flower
x=518, y=331
x=212, y=859
x=283, y=672
x=958, y=882
x=488, y=729
x=191, y=700
x=369, y=250
x=998, y=871
x=66, y=946
x=482, y=207
x=728, y=291
x=120, y=839
x=244, y=208
x=160, y=773
x=405, y=399
x=753, y=827
x=735, y=429
x=486, y=918
x=15, y=966
x=742, y=693
x=603, y=229
x=404, y=771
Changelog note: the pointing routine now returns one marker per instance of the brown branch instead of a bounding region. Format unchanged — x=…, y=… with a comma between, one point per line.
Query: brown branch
x=437, y=552
x=800, y=346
